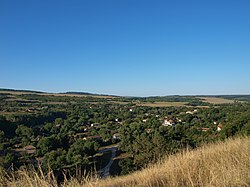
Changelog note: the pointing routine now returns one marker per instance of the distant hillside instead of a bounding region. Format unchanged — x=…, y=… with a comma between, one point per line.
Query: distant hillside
x=169, y=98
x=18, y=92
x=221, y=164
x=13, y=90
x=80, y=93
x=32, y=91
x=86, y=93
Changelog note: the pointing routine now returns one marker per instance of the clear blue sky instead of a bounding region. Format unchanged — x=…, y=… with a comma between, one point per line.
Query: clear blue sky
x=126, y=47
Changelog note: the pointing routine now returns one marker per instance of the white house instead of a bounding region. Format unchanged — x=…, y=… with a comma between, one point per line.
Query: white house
x=168, y=122
x=192, y=112
x=116, y=136
x=219, y=127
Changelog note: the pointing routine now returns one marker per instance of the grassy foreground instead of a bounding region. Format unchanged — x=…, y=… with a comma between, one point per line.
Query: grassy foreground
x=221, y=164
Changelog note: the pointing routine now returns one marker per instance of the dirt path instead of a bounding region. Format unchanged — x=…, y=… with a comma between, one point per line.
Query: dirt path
x=104, y=172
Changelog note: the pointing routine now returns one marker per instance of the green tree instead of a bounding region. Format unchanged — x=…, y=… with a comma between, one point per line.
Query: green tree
x=45, y=145
x=80, y=151
x=25, y=133
x=2, y=136
x=55, y=160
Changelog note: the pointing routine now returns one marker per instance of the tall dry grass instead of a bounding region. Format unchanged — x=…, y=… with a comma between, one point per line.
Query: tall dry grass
x=222, y=164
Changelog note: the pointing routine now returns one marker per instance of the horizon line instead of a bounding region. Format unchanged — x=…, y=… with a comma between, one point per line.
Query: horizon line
x=105, y=94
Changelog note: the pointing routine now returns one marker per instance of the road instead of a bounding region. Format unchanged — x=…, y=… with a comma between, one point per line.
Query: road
x=104, y=172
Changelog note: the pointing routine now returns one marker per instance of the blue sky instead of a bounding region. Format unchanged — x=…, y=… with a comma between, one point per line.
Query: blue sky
x=126, y=47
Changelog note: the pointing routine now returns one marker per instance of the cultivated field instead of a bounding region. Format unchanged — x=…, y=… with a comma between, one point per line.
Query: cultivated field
x=216, y=100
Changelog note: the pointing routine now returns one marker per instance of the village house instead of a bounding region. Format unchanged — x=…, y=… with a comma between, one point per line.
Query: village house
x=80, y=135
x=116, y=136
x=149, y=130
x=179, y=120
x=192, y=112
x=168, y=122
x=219, y=127
x=94, y=124
x=92, y=138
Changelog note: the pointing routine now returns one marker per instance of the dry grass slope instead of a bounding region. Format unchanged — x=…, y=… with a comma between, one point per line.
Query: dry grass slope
x=222, y=164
